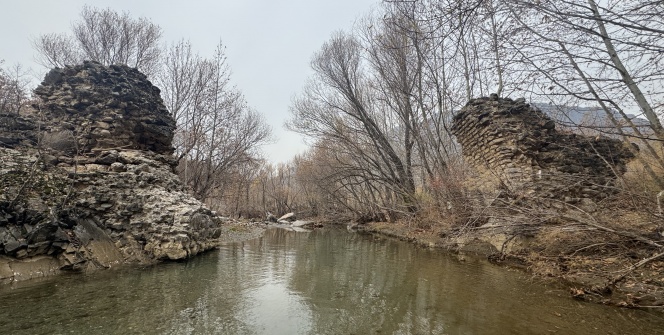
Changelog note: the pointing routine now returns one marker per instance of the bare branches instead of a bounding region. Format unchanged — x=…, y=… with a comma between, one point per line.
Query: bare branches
x=216, y=130
x=105, y=36
x=13, y=89
x=56, y=50
x=381, y=101
x=616, y=46
x=368, y=117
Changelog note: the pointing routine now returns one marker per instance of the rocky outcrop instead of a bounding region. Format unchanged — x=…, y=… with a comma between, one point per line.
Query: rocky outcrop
x=518, y=151
x=106, y=107
x=16, y=131
x=87, y=181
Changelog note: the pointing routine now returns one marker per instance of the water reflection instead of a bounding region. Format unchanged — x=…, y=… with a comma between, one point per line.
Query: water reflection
x=323, y=282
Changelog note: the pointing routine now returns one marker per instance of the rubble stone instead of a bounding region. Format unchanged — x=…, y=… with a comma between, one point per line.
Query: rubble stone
x=518, y=151
x=87, y=180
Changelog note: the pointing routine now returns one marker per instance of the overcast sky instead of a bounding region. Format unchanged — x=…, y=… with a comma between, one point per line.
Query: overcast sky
x=269, y=42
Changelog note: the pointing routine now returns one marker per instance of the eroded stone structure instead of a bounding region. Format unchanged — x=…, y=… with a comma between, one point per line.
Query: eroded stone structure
x=106, y=107
x=517, y=150
x=86, y=180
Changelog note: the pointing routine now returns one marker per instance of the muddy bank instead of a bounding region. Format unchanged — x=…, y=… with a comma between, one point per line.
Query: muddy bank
x=600, y=272
x=240, y=231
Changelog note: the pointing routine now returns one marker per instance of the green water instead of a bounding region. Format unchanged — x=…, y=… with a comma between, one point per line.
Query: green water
x=322, y=282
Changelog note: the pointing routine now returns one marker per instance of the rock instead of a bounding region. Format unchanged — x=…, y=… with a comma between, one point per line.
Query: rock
x=110, y=136
x=102, y=124
x=142, y=168
x=300, y=223
x=270, y=217
x=107, y=158
x=45, y=232
x=50, y=159
x=12, y=246
x=134, y=118
x=118, y=167
x=289, y=217
x=16, y=130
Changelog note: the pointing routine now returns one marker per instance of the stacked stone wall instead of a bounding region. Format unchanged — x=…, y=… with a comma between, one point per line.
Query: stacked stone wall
x=518, y=150
x=106, y=107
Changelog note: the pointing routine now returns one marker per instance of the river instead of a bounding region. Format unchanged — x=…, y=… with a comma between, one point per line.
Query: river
x=328, y=281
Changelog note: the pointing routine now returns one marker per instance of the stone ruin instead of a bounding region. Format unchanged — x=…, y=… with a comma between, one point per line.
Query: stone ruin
x=105, y=107
x=520, y=154
x=87, y=178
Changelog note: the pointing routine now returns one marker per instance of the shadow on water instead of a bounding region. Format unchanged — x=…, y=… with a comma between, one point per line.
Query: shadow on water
x=322, y=282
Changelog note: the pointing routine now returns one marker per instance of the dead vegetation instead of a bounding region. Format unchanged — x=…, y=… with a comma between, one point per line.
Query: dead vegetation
x=612, y=253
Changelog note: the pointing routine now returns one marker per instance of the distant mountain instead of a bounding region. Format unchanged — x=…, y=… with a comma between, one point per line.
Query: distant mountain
x=592, y=119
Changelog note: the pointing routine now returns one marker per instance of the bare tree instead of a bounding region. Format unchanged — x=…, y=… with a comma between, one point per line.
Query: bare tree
x=340, y=104
x=184, y=80
x=383, y=95
x=105, y=36
x=216, y=130
x=616, y=46
x=13, y=89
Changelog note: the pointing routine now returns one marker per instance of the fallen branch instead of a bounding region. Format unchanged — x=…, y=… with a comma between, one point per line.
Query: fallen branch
x=617, y=232
x=593, y=223
x=590, y=246
x=634, y=267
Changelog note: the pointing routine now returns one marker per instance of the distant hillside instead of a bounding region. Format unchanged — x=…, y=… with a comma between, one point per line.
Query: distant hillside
x=591, y=119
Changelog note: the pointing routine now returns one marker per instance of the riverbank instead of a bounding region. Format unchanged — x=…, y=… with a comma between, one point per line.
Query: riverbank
x=14, y=270
x=326, y=281
x=594, y=265
x=238, y=231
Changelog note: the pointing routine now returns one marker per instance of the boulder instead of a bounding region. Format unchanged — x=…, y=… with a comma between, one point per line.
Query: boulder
x=301, y=223
x=289, y=217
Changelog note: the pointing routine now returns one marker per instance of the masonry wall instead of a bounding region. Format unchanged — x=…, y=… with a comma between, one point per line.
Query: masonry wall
x=518, y=151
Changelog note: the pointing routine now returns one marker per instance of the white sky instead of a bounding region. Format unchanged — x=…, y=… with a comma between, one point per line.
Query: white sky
x=269, y=43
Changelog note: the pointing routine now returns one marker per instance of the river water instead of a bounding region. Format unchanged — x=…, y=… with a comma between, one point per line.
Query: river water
x=324, y=282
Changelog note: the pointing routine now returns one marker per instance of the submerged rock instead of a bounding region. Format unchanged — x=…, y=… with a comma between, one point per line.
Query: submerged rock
x=87, y=181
